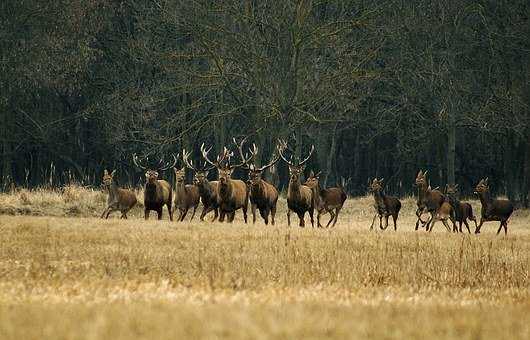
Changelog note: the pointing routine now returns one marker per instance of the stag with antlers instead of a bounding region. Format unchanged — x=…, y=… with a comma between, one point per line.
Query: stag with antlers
x=299, y=197
x=263, y=195
x=157, y=192
x=207, y=189
x=232, y=194
x=186, y=195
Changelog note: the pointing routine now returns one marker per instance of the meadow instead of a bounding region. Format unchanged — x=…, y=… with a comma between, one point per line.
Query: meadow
x=66, y=274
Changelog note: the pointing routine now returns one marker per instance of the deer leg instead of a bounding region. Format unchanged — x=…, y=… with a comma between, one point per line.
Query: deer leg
x=331, y=219
x=104, y=212
x=273, y=213
x=386, y=221
x=311, y=212
x=319, y=213
x=395, y=217
x=203, y=213
x=505, y=228
x=477, y=229
x=265, y=215
x=253, y=207
x=245, y=208
x=288, y=217
x=169, y=210
x=184, y=213
x=221, y=216
x=381, y=221
x=301, y=218
x=124, y=215
x=193, y=213
x=500, y=228
x=146, y=214
x=215, y=214
x=467, y=226
x=232, y=215
x=337, y=211
x=444, y=221
x=418, y=214
x=159, y=212
x=373, y=222
x=432, y=226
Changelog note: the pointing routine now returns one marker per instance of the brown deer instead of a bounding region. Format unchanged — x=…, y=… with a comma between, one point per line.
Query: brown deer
x=443, y=213
x=119, y=199
x=299, y=197
x=157, y=192
x=207, y=189
x=263, y=195
x=428, y=200
x=232, y=194
x=492, y=209
x=330, y=200
x=186, y=195
x=384, y=205
x=462, y=210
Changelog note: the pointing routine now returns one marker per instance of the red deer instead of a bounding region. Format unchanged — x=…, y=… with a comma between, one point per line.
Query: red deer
x=492, y=209
x=463, y=211
x=157, y=192
x=330, y=200
x=263, y=195
x=207, y=189
x=119, y=199
x=186, y=195
x=428, y=200
x=444, y=213
x=232, y=194
x=299, y=197
x=384, y=205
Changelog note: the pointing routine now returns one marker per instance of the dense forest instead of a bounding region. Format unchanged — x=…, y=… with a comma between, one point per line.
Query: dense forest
x=381, y=88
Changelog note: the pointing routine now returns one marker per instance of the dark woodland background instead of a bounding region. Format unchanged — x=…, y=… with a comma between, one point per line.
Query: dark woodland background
x=381, y=88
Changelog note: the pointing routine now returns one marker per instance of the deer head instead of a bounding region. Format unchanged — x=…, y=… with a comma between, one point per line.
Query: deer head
x=201, y=173
x=421, y=179
x=313, y=179
x=255, y=172
x=482, y=186
x=295, y=170
x=376, y=185
x=451, y=190
x=151, y=173
x=108, y=177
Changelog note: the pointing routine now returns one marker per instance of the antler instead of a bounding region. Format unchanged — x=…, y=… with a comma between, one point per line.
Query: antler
x=241, y=153
x=282, y=145
x=186, y=161
x=308, y=156
x=220, y=158
x=168, y=164
x=137, y=163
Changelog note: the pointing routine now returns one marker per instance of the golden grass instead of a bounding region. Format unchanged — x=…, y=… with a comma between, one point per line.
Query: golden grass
x=86, y=278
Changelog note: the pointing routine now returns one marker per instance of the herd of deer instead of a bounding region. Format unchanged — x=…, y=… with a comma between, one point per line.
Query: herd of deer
x=227, y=195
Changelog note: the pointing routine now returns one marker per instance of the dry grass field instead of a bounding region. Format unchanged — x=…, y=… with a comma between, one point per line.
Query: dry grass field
x=65, y=274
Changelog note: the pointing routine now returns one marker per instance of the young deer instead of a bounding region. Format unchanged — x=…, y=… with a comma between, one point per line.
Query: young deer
x=263, y=195
x=157, y=192
x=444, y=213
x=428, y=200
x=462, y=211
x=330, y=200
x=299, y=197
x=186, y=195
x=207, y=189
x=492, y=210
x=384, y=205
x=119, y=199
x=232, y=194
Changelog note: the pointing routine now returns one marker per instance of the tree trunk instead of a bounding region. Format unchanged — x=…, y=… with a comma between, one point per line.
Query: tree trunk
x=330, y=155
x=451, y=147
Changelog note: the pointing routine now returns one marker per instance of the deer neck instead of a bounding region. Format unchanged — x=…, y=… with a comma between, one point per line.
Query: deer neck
x=225, y=189
x=205, y=189
x=258, y=188
x=485, y=199
x=378, y=198
x=112, y=190
x=294, y=189
x=180, y=189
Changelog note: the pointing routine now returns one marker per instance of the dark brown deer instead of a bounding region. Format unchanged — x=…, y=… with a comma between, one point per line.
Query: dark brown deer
x=462, y=210
x=157, y=192
x=492, y=209
x=299, y=197
x=384, y=205
x=428, y=200
x=186, y=195
x=232, y=194
x=207, y=189
x=329, y=200
x=263, y=195
x=119, y=199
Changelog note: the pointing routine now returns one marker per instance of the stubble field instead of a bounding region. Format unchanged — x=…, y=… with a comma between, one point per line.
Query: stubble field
x=65, y=274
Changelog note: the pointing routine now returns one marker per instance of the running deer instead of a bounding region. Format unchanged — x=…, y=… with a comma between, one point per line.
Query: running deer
x=119, y=199
x=384, y=205
x=263, y=195
x=299, y=197
x=207, y=189
x=443, y=213
x=232, y=194
x=462, y=210
x=157, y=192
x=330, y=200
x=186, y=195
x=428, y=200
x=492, y=209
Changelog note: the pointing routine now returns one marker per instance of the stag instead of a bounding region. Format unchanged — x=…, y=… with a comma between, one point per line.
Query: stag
x=492, y=209
x=299, y=197
x=232, y=194
x=384, y=205
x=330, y=200
x=186, y=195
x=428, y=200
x=157, y=192
x=207, y=189
x=263, y=195
x=119, y=199
x=463, y=211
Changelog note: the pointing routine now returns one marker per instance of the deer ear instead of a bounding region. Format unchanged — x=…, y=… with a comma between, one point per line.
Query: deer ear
x=425, y=173
x=311, y=174
x=381, y=180
x=419, y=173
x=105, y=172
x=113, y=173
x=486, y=180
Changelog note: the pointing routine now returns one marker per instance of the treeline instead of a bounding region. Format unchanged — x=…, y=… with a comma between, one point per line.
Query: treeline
x=381, y=88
